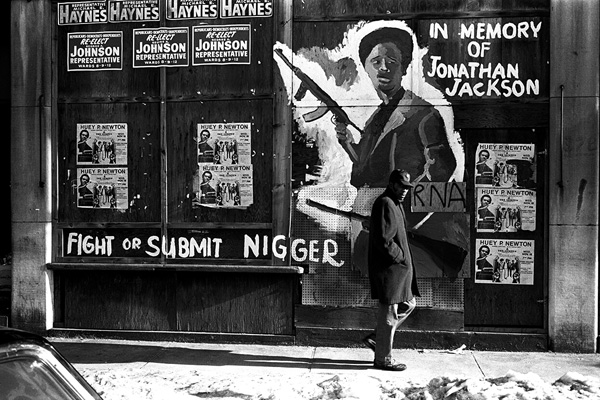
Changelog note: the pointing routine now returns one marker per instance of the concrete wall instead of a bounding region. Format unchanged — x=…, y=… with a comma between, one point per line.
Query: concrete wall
x=31, y=163
x=573, y=178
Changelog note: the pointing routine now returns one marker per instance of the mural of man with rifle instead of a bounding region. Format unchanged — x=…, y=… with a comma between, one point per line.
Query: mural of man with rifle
x=374, y=87
x=405, y=131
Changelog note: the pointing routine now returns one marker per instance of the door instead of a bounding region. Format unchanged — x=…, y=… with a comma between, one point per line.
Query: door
x=508, y=258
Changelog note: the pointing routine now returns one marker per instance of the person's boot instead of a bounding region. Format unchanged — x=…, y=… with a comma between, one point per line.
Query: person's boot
x=389, y=365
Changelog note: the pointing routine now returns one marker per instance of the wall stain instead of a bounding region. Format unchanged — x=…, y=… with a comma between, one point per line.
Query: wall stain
x=582, y=185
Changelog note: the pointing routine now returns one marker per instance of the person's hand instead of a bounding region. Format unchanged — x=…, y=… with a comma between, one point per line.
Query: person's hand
x=341, y=129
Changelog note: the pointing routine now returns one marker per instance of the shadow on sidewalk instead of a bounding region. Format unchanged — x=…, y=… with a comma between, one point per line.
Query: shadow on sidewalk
x=108, y=353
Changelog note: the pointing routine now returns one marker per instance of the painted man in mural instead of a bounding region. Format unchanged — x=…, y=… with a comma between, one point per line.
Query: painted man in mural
x=389, y=121
x=405, y=131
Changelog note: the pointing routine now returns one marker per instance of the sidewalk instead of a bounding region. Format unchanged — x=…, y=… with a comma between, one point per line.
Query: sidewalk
x=206, y=365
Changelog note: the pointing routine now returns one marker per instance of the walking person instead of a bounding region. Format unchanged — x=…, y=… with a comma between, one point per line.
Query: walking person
x=391, y=270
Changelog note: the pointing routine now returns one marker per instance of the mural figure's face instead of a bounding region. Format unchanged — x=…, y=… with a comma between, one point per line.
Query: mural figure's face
x=383, y=65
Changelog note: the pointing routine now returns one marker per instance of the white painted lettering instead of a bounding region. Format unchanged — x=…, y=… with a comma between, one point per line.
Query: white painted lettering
x=279, y=250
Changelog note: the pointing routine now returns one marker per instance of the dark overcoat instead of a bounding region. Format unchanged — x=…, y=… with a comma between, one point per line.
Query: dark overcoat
x=391, y=270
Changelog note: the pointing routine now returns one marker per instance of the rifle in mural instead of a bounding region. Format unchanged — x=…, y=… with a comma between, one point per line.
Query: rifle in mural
x=327, y=103
x=448, y=254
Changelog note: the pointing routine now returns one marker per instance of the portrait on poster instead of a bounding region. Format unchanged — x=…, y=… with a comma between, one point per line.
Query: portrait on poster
x=508, y=262
x=102, y=188
x=225, y=186
x=224, y=143
x=505, y=165
x=104, y=144
x=505, y=210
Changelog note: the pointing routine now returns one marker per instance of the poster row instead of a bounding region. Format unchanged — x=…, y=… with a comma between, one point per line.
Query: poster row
x=225, y=165
x=224, y=155
x=160, y=47
x=218, y=143
x=120, y=11
x=505, y=189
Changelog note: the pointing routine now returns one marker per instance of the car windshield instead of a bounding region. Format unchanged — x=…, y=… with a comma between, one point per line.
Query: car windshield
x=32, y=373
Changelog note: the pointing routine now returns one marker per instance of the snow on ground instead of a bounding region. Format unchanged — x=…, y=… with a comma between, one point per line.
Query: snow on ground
x=144, y=384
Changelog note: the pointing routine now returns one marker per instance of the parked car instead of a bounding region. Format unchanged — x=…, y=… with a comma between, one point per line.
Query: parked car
x=32, y=369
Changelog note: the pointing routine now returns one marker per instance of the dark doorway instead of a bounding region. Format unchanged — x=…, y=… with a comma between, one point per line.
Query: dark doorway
x=509, y=306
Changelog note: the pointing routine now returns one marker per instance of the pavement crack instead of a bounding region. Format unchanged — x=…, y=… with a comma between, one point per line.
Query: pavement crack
x=312, y=359
x=478, y=366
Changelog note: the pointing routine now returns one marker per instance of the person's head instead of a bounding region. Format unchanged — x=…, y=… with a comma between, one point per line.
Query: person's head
x=484, y=155
x=386, y=53
x=486, y=200
x=206, y=176
x=399, y=183
x=84, y=179
x=484, y=251
x=204, y=135
x=84, y=135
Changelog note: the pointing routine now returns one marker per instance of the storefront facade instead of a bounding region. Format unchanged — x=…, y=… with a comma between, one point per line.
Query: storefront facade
x=177, y=170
